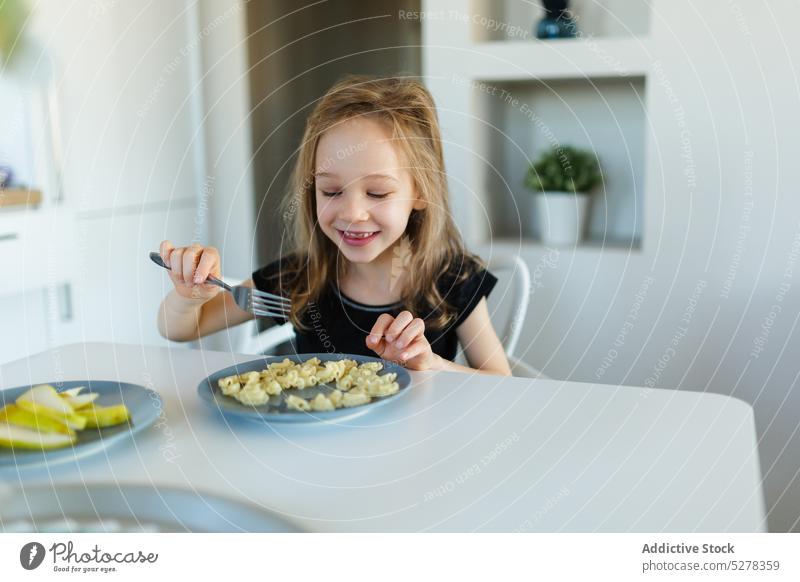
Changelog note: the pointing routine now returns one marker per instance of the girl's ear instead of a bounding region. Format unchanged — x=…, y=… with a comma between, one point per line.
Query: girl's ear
x=420, y=204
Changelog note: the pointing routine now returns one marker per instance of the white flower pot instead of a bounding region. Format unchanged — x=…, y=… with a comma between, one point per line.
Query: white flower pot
x=561, y=216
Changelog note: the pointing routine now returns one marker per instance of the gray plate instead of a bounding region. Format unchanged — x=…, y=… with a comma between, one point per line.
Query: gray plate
x=77, y=508
x=276, y=411
x=143, y=404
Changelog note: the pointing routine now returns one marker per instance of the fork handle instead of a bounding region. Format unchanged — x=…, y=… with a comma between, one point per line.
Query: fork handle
x=156, y=258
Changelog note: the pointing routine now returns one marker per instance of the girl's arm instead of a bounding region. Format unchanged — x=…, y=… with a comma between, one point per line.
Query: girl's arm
x=182, y=319
x=482, y=347
x=195, y=308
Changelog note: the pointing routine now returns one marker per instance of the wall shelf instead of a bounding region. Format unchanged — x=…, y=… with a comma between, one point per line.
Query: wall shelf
x=524, y=119
x=505, y=98
x=557, y=59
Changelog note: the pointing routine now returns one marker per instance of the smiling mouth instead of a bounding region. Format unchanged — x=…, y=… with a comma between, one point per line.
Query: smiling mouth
x=356, y=234
x=358, y=239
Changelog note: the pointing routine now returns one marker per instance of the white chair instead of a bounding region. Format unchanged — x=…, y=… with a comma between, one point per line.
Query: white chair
x=508, y=305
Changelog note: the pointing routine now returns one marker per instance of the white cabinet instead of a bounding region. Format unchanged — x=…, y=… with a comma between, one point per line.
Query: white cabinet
x=129, y=130
x=86, y=279
x=117, y=288
x=35, y=249
x=36, y=252
x=131, y=124
x=22, y=313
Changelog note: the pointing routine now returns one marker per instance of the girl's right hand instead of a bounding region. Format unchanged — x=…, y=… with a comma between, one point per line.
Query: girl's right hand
x=189, y=268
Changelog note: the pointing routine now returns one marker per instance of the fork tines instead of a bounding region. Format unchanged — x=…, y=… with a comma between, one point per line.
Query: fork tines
x=263, y=303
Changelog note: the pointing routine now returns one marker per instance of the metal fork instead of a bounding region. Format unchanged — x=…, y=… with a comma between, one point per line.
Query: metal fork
x=259, y=303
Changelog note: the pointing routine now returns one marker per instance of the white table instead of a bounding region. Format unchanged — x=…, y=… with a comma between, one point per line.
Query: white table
x=460, y=452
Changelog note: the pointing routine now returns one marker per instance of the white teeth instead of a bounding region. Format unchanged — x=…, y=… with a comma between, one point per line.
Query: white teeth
x=358, y=234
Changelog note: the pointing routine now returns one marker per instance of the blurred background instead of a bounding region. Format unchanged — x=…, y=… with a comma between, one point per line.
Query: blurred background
x=124, y=123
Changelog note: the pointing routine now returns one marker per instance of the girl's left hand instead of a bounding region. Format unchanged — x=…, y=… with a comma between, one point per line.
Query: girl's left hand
x=402, y=339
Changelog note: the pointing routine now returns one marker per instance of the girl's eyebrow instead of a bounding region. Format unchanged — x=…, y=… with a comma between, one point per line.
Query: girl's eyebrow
x=381, y=176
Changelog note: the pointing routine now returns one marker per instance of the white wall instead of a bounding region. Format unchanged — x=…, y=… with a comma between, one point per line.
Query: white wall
x=720, y=233
x=227, y=133
x=227, y=206
x=722, y=208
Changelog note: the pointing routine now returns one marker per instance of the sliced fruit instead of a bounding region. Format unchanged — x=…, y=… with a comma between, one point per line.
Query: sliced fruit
x=47, y=396
x=79, y=401
x=44, y=400
x=13, y=414
x=102, y=416
x=24, y=438
x=76, y=399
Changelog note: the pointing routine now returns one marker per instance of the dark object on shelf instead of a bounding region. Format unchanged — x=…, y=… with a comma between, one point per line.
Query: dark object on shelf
x=5, y=176
x=557, y=21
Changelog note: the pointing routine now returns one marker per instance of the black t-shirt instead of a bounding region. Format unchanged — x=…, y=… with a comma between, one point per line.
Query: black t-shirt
x=338, y=324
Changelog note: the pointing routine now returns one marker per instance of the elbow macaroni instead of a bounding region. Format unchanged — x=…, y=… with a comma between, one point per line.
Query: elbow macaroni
x=355, y=384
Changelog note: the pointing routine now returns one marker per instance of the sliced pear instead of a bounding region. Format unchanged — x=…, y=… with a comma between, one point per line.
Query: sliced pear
x=25, y=438
x=76, y=399
x=44, y=400
x=81, y=400
x=46, y=395
x=13, y=414
x=72, y=391
x=103, y=416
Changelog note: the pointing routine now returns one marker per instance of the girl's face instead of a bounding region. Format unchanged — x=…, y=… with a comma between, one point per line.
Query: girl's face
x=364, y=193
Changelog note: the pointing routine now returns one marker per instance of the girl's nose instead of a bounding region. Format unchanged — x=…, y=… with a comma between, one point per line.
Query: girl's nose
x=352, y=209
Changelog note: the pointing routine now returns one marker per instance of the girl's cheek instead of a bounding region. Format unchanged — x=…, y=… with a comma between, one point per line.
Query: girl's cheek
x=394, y=213
x=324, y=211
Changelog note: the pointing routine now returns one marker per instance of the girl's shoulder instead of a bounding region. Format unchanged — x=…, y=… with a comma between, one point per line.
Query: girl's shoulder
x=463, y=269
x=465, y=281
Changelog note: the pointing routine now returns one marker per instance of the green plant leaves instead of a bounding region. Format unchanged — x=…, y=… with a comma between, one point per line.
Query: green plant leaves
x=564, y=169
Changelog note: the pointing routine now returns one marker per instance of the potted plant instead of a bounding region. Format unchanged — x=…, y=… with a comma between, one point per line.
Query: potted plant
x=563, y=178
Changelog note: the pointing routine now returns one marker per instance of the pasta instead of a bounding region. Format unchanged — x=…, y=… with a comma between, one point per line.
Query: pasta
x=322, y=403
x=297, y=403
x=351, y=399
x=355, y=384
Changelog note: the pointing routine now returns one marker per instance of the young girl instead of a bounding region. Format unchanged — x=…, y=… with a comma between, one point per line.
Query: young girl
x=376, y=264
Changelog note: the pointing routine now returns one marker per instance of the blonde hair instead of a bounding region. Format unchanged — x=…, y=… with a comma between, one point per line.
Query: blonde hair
x=435, y=243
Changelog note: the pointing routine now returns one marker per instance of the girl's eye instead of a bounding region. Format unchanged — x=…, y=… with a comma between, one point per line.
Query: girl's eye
x=370, y=194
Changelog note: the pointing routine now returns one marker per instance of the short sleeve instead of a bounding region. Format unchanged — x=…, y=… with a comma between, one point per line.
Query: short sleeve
x=466, y=294
x=273, y=278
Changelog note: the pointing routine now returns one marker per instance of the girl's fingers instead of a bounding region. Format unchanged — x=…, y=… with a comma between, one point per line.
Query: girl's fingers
x=374, y=339
x=399, y=324
x=176, y=265
x=208, y=265
x=191, y=257
x=417, y=347
x=412, y=331
x=377, y=331
x=165, y=249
